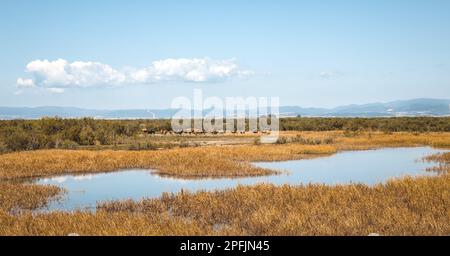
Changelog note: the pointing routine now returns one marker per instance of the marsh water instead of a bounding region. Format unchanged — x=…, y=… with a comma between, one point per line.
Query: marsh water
x=368, y=167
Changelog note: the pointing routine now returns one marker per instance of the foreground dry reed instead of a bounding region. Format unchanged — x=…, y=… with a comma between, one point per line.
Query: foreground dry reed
x=419, y=206
x=18, y=197
x=401, y=207
x=368, y=140
x=211, y=161
x=444, y=162
x=406, y=207
x=185, y=162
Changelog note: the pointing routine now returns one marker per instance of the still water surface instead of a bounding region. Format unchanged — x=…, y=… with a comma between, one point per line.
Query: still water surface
x=368, y=167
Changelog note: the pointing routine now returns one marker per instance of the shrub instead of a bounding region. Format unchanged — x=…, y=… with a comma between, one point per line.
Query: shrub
x=68, y=144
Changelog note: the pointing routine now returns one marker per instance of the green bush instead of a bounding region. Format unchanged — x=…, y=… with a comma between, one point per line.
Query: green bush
x=68, y=144
x=56, y=132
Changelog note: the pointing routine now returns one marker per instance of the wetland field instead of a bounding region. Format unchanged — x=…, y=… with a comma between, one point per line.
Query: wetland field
x=324, y=176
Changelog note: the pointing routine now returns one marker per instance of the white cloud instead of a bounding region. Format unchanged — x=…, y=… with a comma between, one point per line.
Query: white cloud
x=58, y=74
x=326, y=74
x=18, y=92
x=61, y=73
x=193, y=70
x=329, y=74
x=55, y=90
x=23, y=83
x=83, y=177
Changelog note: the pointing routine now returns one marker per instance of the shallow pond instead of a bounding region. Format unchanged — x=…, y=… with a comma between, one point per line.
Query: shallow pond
x=369, y=167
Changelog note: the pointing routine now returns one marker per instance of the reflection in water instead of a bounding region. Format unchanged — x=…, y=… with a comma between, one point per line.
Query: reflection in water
x=369, y=167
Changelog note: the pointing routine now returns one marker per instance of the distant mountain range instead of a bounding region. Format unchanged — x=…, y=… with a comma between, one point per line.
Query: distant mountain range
x=415, y=107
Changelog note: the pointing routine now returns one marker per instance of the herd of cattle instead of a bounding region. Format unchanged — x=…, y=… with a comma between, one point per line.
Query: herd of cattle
x=200, y=132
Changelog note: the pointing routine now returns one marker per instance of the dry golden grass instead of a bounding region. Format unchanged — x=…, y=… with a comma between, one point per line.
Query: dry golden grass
x=408, y=206
x=402, y=207
x=209, y=161
x=17, y=197
x=370, y=140
x=186, y=162
x=419, y=206
x=443, y=158
x=444, y=162
x=99, y=223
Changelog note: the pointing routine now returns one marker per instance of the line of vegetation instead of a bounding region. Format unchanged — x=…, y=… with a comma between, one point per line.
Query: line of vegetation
x=386, y=124
x=58, y=133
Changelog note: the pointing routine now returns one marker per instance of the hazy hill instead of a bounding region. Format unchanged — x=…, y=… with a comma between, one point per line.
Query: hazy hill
x=415, y=107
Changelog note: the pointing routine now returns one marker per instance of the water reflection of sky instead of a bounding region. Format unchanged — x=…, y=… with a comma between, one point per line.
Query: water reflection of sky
x=369, y=167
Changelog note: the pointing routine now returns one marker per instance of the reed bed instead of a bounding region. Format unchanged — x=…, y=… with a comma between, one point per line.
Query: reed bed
x=21, y=197
x=443, y=158
x=444, y=162
x=183, y=162
x=401, y=207
x=408, y=206
x=419, y=206
x=369, y=140
x=99, y=223
x=209, y=161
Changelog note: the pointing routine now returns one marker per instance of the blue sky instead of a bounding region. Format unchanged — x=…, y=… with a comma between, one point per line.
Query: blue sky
x=309, y=53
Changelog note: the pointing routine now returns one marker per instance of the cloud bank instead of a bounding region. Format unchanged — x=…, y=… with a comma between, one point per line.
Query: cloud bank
x=59, y=74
